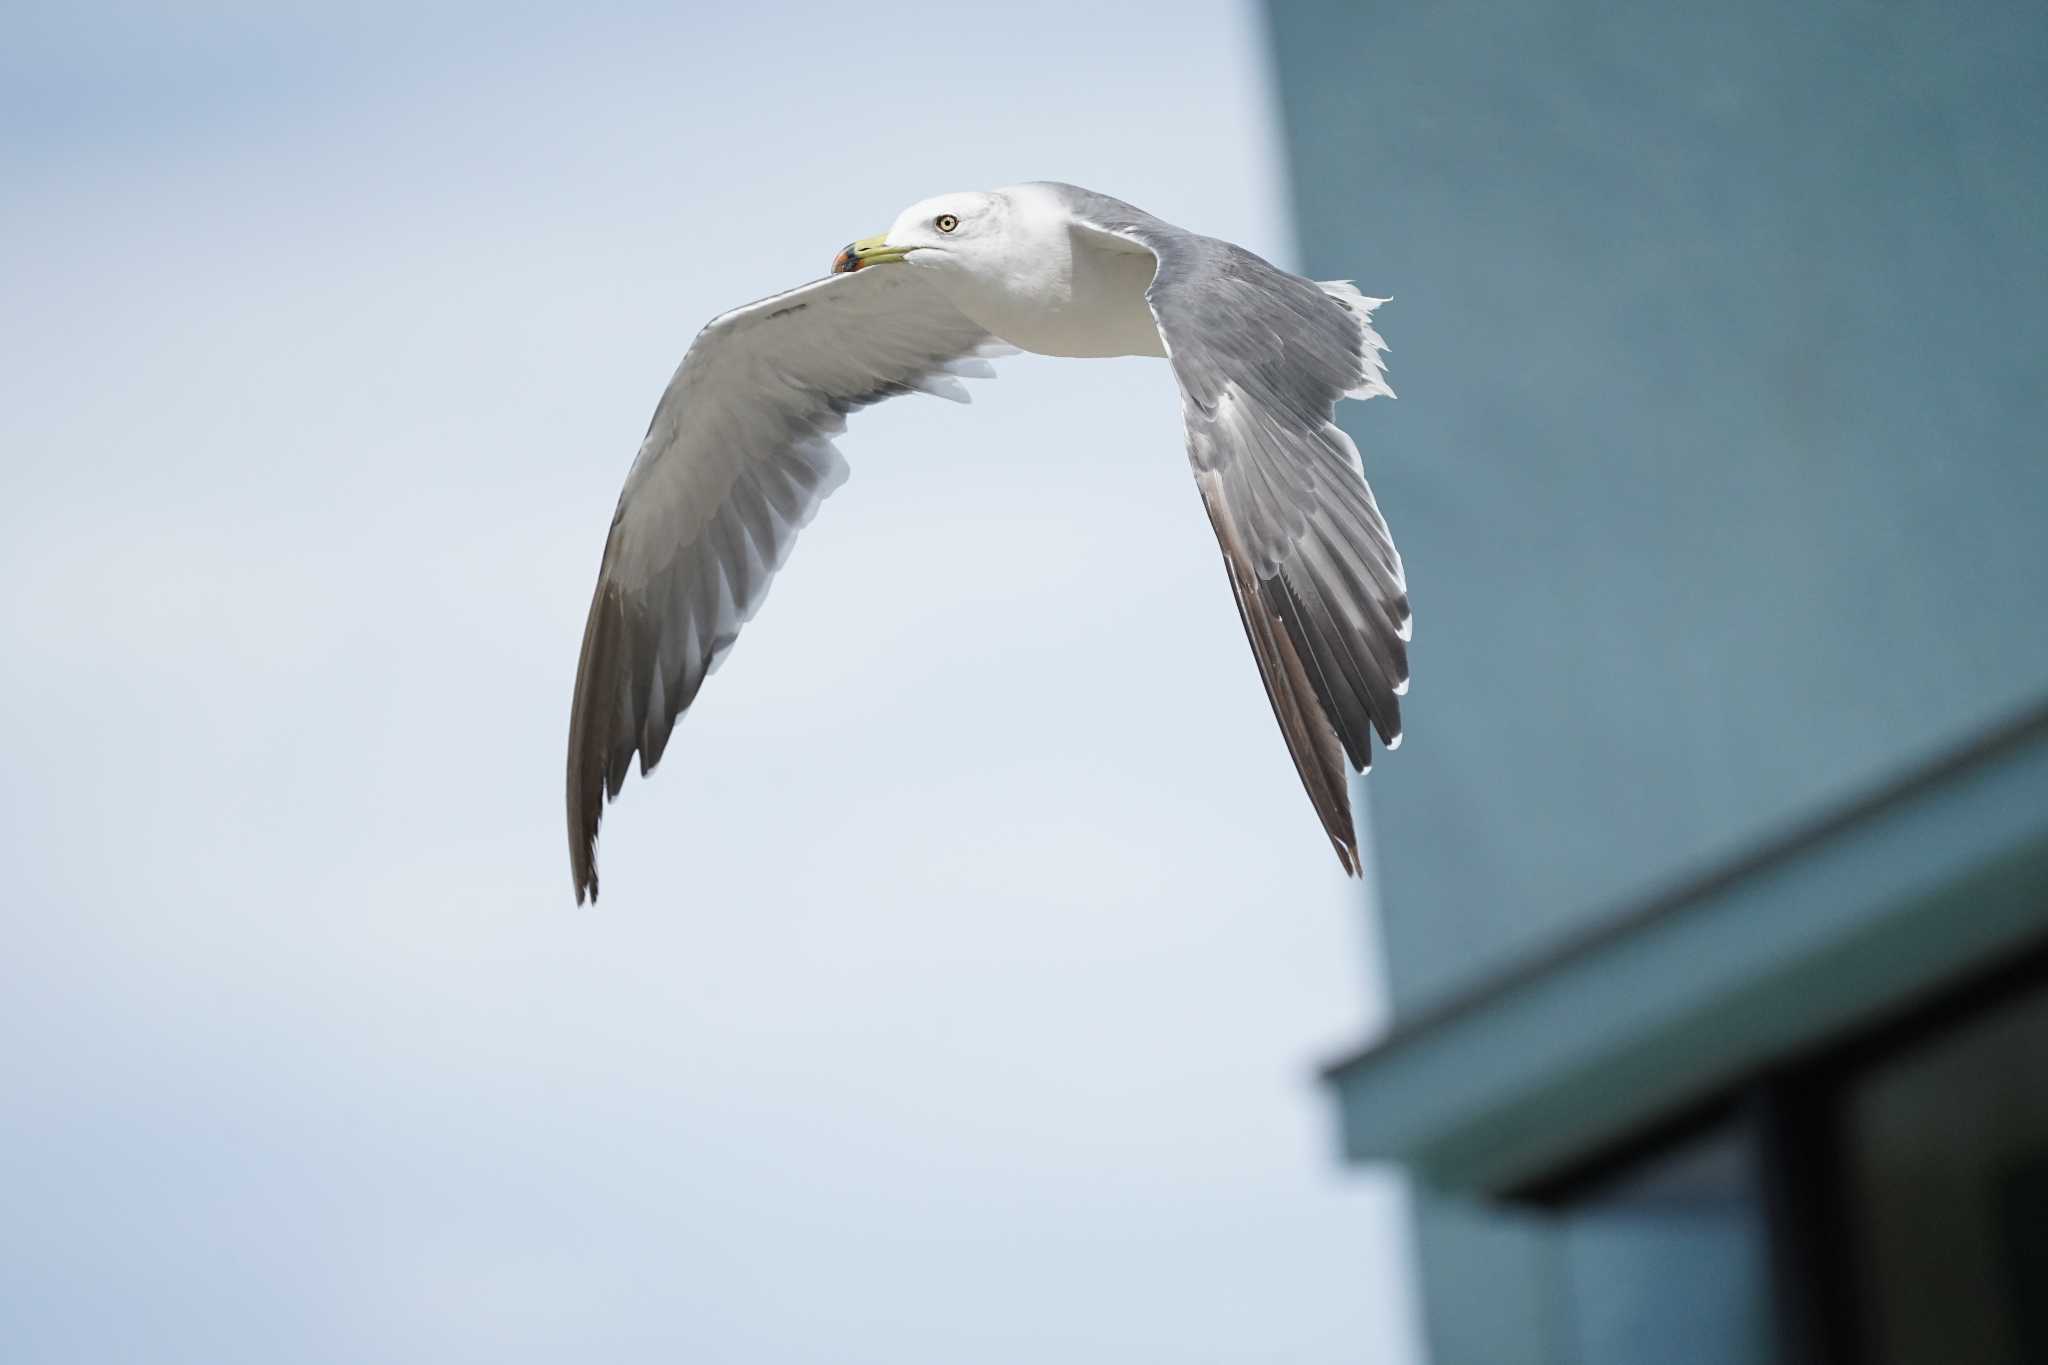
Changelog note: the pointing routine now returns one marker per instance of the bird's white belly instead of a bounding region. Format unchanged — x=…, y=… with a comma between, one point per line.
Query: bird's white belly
x=1098, y=310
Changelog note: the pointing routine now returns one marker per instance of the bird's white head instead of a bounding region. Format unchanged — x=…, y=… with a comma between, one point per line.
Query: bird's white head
x=964, y=232
x=1007, y=259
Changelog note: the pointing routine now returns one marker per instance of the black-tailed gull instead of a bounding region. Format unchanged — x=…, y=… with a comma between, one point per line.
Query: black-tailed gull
x=739, y=455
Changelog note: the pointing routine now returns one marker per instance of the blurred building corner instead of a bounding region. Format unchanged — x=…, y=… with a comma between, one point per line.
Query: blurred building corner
x=1713, y=883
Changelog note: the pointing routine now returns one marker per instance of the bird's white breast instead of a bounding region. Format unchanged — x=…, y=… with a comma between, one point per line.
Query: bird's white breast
x=1100, y=311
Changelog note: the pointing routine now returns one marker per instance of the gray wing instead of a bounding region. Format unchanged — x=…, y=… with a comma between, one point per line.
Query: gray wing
x=1262, y=357
x=735, y=462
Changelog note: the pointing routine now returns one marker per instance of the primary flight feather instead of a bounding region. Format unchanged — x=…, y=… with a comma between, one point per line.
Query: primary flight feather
x=740, y=454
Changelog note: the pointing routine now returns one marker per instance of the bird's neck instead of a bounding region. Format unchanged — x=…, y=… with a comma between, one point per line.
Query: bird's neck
x=1054, y=294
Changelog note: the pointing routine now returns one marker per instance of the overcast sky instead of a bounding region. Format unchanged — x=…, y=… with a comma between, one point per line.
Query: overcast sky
x=960, y=977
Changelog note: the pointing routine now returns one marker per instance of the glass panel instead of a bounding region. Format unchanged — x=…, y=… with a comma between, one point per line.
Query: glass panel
x=1669, y=1262
x=1950, y=1152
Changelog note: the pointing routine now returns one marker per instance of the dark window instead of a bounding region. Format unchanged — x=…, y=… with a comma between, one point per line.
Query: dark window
x=1949, y=1180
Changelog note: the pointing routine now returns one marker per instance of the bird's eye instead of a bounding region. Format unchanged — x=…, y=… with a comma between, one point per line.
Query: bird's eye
x=945, y=222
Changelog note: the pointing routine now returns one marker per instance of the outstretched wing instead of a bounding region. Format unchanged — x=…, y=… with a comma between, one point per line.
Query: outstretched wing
x=1262, y=357
x=736, y=461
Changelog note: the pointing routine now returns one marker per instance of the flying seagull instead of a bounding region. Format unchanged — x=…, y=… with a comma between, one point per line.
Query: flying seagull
x=739, y=455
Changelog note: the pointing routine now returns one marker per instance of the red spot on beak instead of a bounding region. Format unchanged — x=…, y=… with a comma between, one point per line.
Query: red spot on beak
x=845, y=263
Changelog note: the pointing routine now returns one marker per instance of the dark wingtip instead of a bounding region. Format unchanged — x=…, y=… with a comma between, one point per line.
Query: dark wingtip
x=585, y=873
x=583, y=864
x=596, y=671
x=1346, y=845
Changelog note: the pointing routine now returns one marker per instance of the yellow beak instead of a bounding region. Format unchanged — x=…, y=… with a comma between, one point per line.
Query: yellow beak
x=867, y=251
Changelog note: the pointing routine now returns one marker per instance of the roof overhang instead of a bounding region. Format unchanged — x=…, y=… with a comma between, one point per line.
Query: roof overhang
x=1862, y=913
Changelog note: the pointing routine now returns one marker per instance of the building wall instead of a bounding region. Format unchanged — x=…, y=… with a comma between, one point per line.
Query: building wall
x=1720, y=465
x=1721, y=460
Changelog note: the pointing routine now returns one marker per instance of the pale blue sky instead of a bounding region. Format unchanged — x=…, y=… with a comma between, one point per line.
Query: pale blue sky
x=959, y=979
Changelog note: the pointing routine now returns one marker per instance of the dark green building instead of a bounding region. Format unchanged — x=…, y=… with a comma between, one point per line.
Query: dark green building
x=1713, y=878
